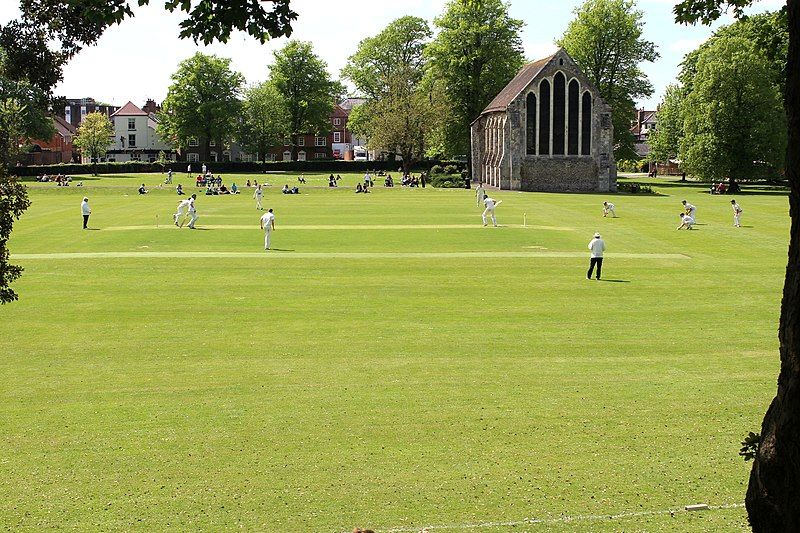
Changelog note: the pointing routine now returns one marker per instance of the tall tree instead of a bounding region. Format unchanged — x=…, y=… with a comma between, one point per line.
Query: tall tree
x=202, y=102
x=665, y=140
x=389, y=68
x=94, y=136
x=733, y=114
x=399, y=47
x=264, y=120
x=773, y=494
x=477, y=51
x=303, y=81
x=605, y=39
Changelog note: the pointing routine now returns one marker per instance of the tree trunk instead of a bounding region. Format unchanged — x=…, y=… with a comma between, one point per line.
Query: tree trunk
x=773, y=495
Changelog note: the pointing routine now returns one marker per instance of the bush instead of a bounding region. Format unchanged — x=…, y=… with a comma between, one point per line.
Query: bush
x=443, y=181
x=634, y=188
x=437, y=169
x=451, y=169
x=317, y=165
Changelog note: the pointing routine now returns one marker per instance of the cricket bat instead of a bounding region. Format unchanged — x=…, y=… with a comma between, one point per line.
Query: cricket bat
x=498, y=203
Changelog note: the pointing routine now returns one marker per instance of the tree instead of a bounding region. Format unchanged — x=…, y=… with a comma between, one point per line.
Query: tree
x=303, y=81
x=202, y=102
x=400, y=112
x=264, y=120
x=733, y=115
x=665, y=140
x=605, y=40
x=400, y=46
x=773, y=502
x=94, y=136
x=477, y=52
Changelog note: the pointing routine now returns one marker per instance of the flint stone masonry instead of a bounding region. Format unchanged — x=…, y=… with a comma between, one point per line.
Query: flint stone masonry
x=577, y=157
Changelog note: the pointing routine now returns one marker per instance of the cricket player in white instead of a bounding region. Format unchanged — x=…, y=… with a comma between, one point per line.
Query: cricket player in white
x=258, y=194
x=490, y=204
x=192, y=212
x=85, y=211
x=480, y=194
x=737, y=214
x=182, y=205
x=690, y=210
x=608, y=207
x=686, y=221
x=267, y=224
x=596, y=246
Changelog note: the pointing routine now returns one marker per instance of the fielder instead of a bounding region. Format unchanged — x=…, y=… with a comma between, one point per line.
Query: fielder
x=596, y=246
x=737, y=214
x=608, y=207
x=480, y=194
x=690, y=210
x=192, y=212
x=686, y=221
x=257, y=195
x=182, y=205
x=267, y=224
x=490, y=204
x=85, y=211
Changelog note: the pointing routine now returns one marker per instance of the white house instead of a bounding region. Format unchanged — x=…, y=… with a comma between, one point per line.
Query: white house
x=135, y=137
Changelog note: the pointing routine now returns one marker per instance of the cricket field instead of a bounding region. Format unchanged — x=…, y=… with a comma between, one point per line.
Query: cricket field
x=390, y=364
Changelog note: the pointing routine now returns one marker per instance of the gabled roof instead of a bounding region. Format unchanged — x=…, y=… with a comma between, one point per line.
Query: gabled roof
x=129, y=110
x=517, y=85
x=349, y=103
x=63, y=127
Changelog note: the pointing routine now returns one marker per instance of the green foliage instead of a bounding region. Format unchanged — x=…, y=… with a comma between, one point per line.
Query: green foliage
x=451, y=169
x=400, y=111
x=734, y=121
x=94, y=135
x=477, y=51
x=399, y=47
x=264, y=120
x=605, y=40
x=632, y=165
x=309, y=93
x=437, y=169
x=750, y=446
x=632, y=187
x=665, y=140
x=202, y=102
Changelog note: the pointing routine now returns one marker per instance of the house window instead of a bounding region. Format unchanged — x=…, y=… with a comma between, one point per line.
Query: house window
x=287, y=141
x=586, y=124
x=320, y=155
x=301, y=141
x=192, y=157
x=214, y=157
x=572, y=113
x=530, y=124
x=136, y=157
x=337, y=136
x=559, y=113
x=544, y=118
x=131, y=124
x=132, y=140
x=270, y=157
x=151, y=158
x=301, y=155
x=226, y=155
x=319, y=141
x=212, y=143
x=68, y=114
x=287, y=155
x=193, y=141
x=337, y=122
x=83, y=111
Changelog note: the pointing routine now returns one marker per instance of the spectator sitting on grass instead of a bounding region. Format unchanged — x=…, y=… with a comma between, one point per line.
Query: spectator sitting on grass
x=142, y=190
x=179, y=190
x=359, y=188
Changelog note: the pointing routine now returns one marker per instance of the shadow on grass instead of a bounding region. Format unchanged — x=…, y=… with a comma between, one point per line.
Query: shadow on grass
x=281, y=250
x=614, y=280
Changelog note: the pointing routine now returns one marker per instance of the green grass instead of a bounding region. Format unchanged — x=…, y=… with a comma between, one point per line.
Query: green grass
x=317, y=393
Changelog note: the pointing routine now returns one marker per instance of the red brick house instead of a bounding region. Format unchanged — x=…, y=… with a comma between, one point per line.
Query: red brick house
x=58, y=149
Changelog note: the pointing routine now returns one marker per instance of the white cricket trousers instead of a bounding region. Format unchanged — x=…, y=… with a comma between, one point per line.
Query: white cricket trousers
x=489, y=210
x=258, y=203
x=267, y=234
x=737, y=220
x=177, y=216
x=193, y=214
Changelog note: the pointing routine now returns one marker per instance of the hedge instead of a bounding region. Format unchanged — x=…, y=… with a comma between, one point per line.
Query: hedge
x=332, y=166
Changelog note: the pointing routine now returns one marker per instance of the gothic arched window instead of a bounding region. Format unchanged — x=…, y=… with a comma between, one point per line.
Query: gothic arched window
x=559, y=113
x=544, y=118
x=530, y=124
x=586, y=129
x=572, y=126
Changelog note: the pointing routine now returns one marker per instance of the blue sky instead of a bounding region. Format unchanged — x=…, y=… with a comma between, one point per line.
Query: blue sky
x=134, y=61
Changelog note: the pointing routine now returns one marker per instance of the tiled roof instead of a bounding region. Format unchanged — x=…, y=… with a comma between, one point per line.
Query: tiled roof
x=63, y=127
x=517, y=85
x=130, y=110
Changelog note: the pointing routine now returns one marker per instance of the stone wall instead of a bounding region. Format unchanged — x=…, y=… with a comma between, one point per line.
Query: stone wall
x=563, y=174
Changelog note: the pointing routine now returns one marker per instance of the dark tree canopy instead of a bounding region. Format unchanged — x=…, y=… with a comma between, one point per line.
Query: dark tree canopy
x=773, y=493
